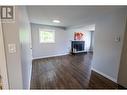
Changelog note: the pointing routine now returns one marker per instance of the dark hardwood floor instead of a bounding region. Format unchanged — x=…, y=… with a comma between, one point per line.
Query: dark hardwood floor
x=68, y=72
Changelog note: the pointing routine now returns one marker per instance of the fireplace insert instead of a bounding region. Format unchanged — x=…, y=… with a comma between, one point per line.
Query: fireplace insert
x=77, y=46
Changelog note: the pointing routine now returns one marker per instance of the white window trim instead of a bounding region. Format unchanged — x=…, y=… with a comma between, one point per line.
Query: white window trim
x=48, y=30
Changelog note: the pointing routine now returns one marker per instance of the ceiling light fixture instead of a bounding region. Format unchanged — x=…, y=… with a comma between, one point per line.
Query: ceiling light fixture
x=56, y=21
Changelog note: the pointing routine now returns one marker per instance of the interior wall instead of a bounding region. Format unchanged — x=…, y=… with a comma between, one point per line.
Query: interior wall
x=25, y=44
x=92, y=41
x=40, y=50
x=107, y=50
x=11, y=36
x=86, y=29
x=18, y=63
x=3, y=66
x=122, y=76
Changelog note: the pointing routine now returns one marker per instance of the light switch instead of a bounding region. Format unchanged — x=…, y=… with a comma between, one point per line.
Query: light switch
x=11, y=48
x=117, y=38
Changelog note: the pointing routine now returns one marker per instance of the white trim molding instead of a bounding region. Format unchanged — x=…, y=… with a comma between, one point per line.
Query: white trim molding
x=50, y=56
x=105, y=75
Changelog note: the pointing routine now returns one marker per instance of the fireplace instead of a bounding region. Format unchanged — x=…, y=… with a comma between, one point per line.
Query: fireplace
x=77, y=46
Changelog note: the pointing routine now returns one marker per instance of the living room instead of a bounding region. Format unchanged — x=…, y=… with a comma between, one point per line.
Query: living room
x=65, y=47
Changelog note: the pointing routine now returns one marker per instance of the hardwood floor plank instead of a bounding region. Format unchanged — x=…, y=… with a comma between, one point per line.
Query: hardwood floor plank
x=68, y=72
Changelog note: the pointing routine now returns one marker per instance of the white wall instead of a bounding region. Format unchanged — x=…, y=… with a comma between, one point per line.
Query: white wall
x=86, y=29
x=3, y=66
x=122, y=76
x=25, y=42
x=92, y=40
x=107, y=52
x=40, y=50
x=18, y=63
x=11, y=35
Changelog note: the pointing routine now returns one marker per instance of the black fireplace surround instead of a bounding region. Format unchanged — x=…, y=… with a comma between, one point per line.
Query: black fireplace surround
x=78, y=46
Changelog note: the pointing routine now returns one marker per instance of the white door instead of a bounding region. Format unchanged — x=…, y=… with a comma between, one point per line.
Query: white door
x=3, y=67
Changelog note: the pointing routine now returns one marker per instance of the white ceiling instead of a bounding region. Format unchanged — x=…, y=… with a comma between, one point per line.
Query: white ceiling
x=68, y=15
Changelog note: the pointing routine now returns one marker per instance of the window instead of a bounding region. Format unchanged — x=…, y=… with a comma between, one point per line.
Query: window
x=47, y=36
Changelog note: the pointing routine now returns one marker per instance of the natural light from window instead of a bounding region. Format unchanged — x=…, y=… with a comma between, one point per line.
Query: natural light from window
x=47, y=36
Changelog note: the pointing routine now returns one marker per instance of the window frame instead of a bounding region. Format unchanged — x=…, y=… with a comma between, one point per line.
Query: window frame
x=46, y=30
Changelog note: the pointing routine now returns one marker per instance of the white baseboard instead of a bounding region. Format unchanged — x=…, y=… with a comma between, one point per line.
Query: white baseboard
x=50, y=56
x=105, y=75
